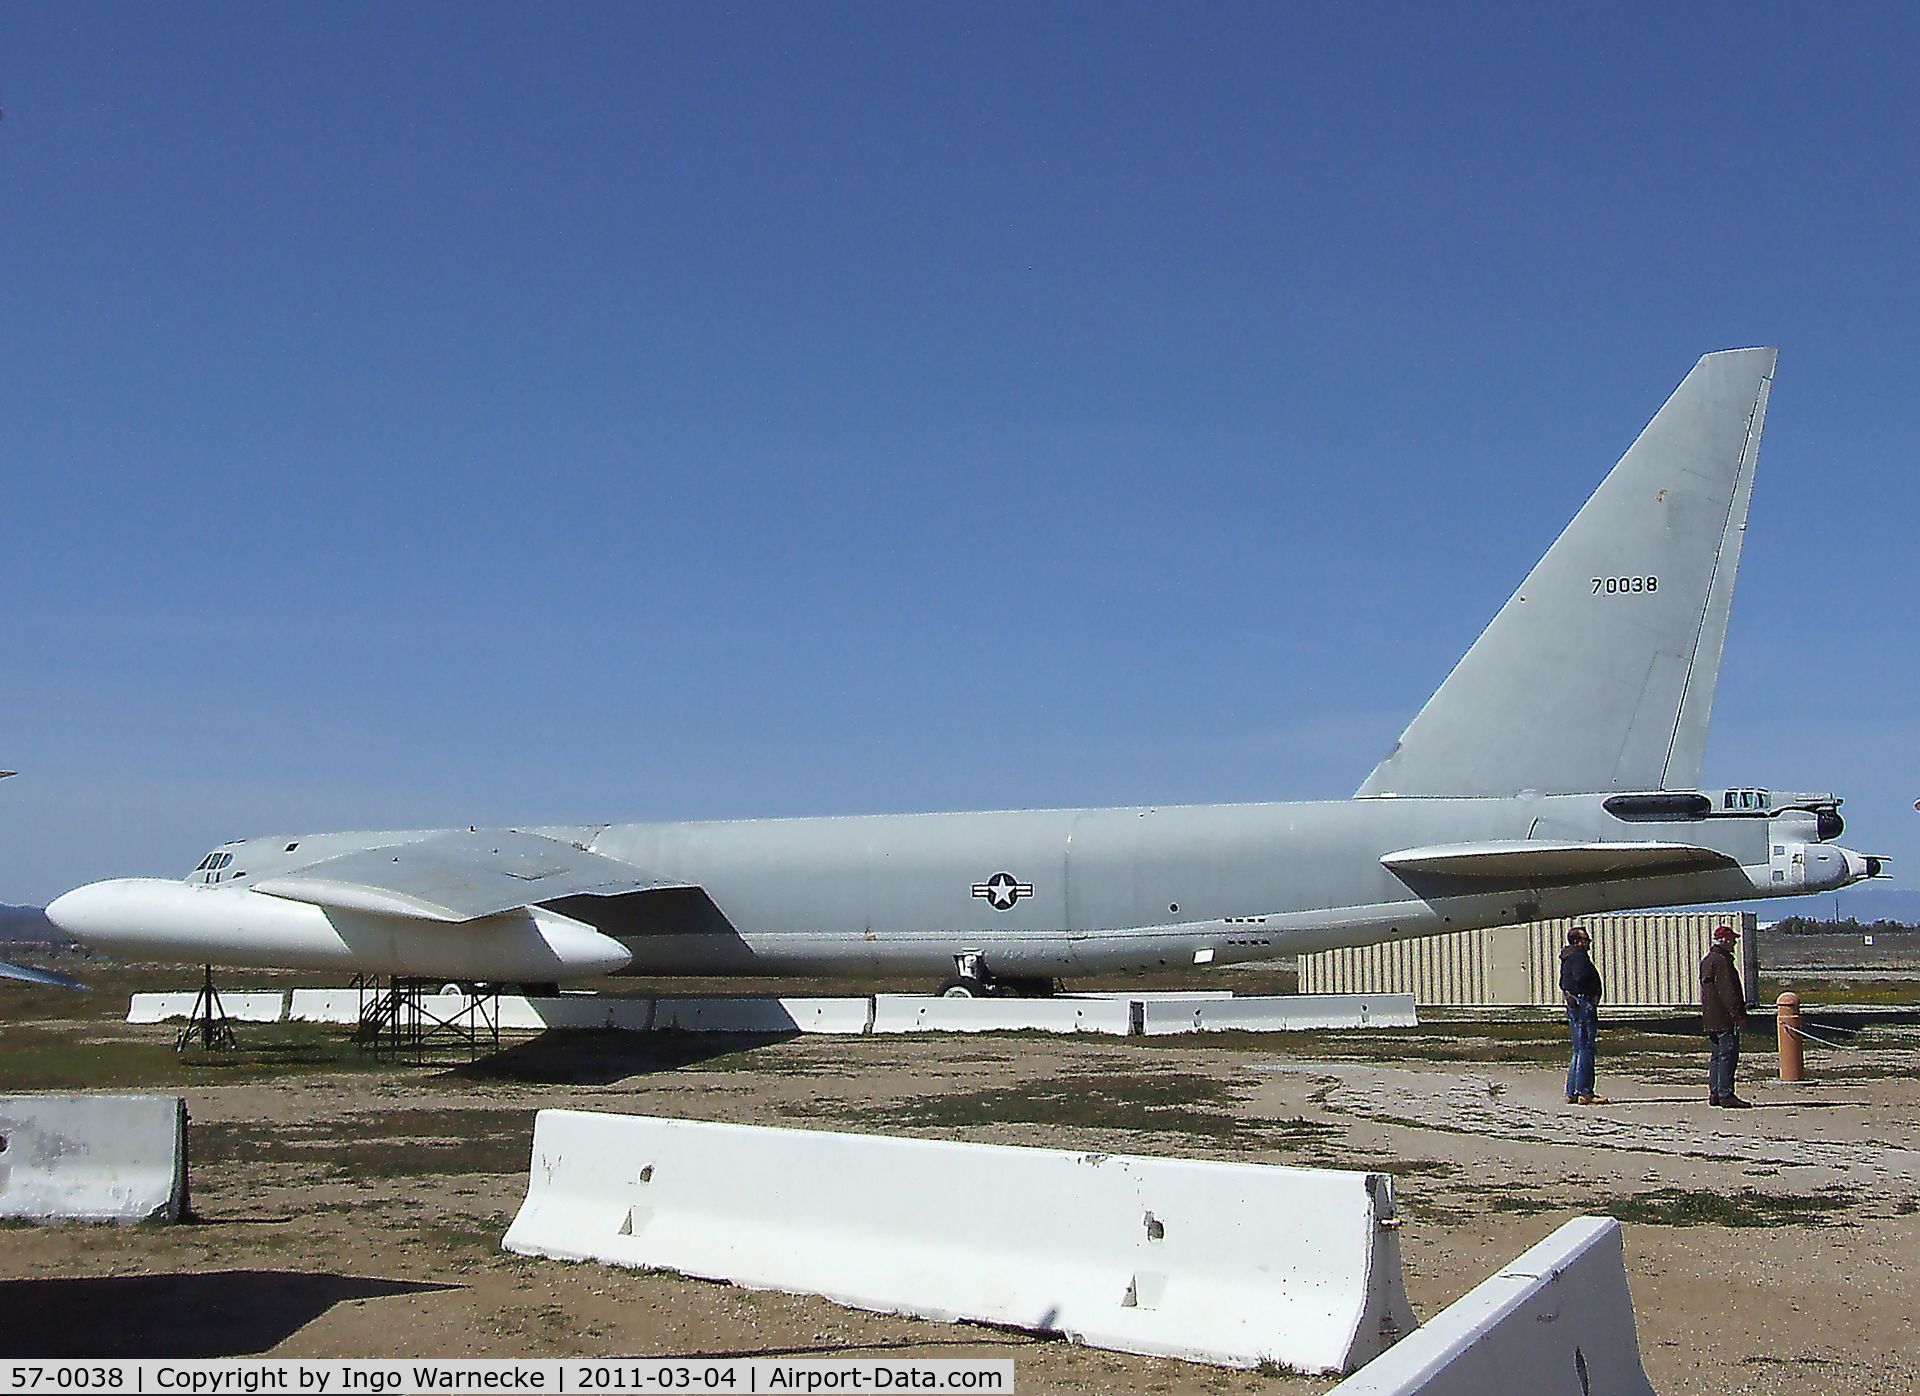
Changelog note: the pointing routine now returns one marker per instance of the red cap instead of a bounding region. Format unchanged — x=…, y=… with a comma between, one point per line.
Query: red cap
x=1725, y=933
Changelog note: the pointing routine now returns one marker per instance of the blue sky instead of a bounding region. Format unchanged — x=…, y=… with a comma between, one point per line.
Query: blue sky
x=468, y=414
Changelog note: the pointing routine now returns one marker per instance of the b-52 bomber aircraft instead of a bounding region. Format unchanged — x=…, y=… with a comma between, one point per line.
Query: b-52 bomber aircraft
x=1553, y=773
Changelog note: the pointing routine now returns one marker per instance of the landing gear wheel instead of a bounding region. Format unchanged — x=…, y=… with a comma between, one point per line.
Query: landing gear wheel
x=961, y=987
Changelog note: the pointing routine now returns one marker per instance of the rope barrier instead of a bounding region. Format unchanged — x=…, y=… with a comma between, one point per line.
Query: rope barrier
x=1799, y=1031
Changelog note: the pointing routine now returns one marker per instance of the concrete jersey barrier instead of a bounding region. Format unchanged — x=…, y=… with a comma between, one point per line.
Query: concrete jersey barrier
x=251, y=1007
x=609, y=1011
x=324, y=1006
x=894, y=1013
x=117, y=1158
x=1278, y=1013
x=1116, y=1014
x=1556, y=1322
x=763, y=1015
x=1228, y=1263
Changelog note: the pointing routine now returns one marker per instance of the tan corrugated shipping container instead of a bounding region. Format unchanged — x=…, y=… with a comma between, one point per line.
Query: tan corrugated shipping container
x=1646, y=960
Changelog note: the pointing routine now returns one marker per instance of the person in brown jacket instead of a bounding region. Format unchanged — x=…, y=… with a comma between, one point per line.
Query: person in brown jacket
x=1723, y=1011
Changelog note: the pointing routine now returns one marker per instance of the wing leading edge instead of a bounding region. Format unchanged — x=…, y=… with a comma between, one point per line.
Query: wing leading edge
x=459, y=876
x=27, y=974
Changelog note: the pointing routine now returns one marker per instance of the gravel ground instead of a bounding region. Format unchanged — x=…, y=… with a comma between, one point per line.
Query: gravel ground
x=350, y=1208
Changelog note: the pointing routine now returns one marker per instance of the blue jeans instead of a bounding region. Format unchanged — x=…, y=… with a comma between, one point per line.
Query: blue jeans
x=1726, y=1056
x=1583, y=1022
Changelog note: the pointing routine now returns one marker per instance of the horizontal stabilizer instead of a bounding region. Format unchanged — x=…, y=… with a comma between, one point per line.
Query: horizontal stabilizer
x=459, y=876
x=1541, y=860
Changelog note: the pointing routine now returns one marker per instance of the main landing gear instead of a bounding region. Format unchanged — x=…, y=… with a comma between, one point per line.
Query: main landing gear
x=975, y=981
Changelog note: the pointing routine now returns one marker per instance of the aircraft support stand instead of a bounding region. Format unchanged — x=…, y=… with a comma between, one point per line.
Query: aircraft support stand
x=400, y=1017
x=207, y=1022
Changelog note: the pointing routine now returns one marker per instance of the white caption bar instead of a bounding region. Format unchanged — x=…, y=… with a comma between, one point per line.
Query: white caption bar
x=560, y=1376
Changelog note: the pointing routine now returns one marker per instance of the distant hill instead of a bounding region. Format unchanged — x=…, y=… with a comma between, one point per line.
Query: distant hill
x=1864, y=903
x=28, y=925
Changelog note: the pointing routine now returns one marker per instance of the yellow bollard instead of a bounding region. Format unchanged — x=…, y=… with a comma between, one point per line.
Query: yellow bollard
x=1786, y=1019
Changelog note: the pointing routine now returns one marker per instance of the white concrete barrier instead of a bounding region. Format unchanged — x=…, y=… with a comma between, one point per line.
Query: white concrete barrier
x=929, y=1013
x=530, y=1015
x=1228, y=1263
x=763, y=1015
x=744, y=1015
x=262, y=1007
x=1116, y=1013
x=515, y=1012
x=579, y=1011
x=118, y=1158
x=324, y=1006
x=1279, y=1013
x=1556, y=1322
x=158, y=1008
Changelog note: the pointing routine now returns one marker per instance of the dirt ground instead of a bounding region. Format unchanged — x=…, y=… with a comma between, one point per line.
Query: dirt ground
x=347, y=1207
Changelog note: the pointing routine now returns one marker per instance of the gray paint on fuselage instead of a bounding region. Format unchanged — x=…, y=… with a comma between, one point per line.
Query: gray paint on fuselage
x=1119, y=887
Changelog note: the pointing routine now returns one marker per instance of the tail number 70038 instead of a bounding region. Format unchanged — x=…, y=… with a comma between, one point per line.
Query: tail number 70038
x=1620, y=586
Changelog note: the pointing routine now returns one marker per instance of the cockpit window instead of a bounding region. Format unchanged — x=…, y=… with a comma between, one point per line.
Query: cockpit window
x=213, y=866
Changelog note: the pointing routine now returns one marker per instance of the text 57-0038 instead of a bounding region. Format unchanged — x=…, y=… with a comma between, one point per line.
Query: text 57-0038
x=65, y=1376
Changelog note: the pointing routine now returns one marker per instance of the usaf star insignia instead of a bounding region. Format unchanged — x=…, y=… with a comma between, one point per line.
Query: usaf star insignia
x=1002, y=890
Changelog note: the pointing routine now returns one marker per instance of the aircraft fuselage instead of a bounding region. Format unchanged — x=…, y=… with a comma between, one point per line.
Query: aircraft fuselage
x=1023, y=893
x=1147, y=886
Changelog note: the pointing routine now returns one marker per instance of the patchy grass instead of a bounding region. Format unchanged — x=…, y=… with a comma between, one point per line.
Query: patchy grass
x=395, y=1144
x=1460, y=1038
x=42, y=1059
x=1883, y=993
x=470, y=1237
x=1161, y=1103
x=1525, y=1204
x=1745, y=1208
x=1662, y=1207
x=103, y=1057
x=1410, y=1168
x=1432, y=1211
x=1274, y=1367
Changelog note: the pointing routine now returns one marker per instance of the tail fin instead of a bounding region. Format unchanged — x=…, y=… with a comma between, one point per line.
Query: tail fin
x=1598, y=673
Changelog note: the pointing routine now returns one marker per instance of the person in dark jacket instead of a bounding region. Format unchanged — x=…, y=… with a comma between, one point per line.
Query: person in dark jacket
x=1580, y=988
x=1723, y=1012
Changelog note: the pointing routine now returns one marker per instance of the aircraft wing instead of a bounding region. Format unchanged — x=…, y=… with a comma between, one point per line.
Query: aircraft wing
x=1546, y=860
x=459, y=876
x=30, y=975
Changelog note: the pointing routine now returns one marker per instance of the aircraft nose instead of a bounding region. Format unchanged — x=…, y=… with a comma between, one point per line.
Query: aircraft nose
x=94, y=913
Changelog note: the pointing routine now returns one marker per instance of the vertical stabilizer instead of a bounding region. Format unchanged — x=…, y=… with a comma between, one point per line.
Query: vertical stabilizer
x=1599, y=672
